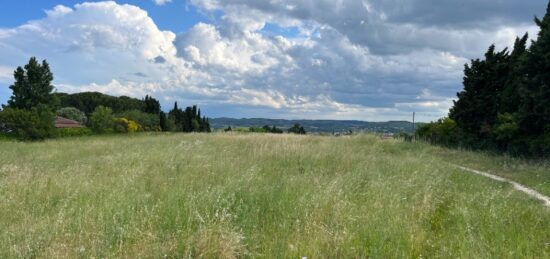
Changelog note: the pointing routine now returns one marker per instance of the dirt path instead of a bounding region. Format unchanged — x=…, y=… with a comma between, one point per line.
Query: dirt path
x=522, y=188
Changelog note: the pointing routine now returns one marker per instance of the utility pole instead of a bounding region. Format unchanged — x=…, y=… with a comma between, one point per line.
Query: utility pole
x=414, y=127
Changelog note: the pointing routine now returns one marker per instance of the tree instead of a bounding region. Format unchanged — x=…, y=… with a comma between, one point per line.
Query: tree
x=297, y=129
x=534, y=111
x=32, y=86
x=72, y=114
x=163, y=121
x=509, y=98
x=151, y=105
x=34, y=124
x=102, y=119
x=476, y=109
x=89, y=101
x=189, y=120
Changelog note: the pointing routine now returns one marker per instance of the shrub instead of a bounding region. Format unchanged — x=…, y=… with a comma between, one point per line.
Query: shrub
x=73, y=114
x=73, y=132
x=123, y=125
x=102, y=119
x=443, y=132
x=147, y=121
x=36, y=124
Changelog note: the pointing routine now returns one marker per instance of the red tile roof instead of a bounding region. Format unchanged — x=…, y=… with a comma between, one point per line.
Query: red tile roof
x=61, y=122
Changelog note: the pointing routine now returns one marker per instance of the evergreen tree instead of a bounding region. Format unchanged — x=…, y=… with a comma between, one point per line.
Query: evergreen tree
x=163, y=121
x=509, y=99
x=534, y=115
x=476, y=109
x=151, y=104
x=32, y=86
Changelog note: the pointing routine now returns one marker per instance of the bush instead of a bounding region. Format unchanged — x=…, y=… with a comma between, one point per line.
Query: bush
x=102, y=119
x=36, y=124
x=73, y=114
x=147, y=121
x=123, y=125
x=443, y=132
x=73, y=132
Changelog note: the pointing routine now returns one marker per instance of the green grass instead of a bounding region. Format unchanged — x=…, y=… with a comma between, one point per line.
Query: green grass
x=255, y=195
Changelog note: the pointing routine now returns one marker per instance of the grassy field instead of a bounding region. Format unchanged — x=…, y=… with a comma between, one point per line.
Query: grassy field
x=273, y=196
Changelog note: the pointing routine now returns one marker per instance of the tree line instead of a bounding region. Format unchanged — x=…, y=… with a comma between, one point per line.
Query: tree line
x=31, y=111
x=295, y=129
x=505, y=103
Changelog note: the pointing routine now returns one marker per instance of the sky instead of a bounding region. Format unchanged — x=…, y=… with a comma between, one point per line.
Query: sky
x=373, y=60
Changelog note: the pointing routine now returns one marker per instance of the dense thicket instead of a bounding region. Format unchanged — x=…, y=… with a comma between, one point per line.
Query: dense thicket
x=505, y=104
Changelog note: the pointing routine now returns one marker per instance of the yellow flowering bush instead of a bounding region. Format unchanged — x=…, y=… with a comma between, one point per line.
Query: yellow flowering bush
x=124, y=125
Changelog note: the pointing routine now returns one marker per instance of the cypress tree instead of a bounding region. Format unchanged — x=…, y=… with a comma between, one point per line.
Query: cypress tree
x=535, y=107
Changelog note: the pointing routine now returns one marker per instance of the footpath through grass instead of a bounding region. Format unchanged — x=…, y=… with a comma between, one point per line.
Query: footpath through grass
x=253, y=195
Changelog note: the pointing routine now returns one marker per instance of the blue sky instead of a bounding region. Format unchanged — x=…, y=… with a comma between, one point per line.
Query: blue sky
x=17, y=12
x=371, y=60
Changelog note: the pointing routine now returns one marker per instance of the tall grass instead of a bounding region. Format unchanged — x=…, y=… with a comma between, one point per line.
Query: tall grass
x=273, y=196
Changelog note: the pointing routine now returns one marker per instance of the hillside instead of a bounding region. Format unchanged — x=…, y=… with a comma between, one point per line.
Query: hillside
x=231, y=195
x=326, y=126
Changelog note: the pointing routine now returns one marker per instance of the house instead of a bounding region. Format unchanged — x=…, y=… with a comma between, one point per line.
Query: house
x=61, y=122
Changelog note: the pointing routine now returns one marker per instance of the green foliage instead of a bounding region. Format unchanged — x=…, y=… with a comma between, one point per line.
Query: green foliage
x=123, y=125
x=297, y=129
x=506, y=127
x=444, y=132
x=33, y=86
x=147, y=121
x=273, y=129
x=73, y=132
x=151, y=105
x=102, y=120
x=264, y=129
x=89, y=101
x=257, y=130
x=34, y=124
x=505, y=104
x=72, y=114
x=189, y=120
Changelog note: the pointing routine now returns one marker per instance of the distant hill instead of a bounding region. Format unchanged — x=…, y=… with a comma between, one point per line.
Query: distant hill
x=317, y=125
